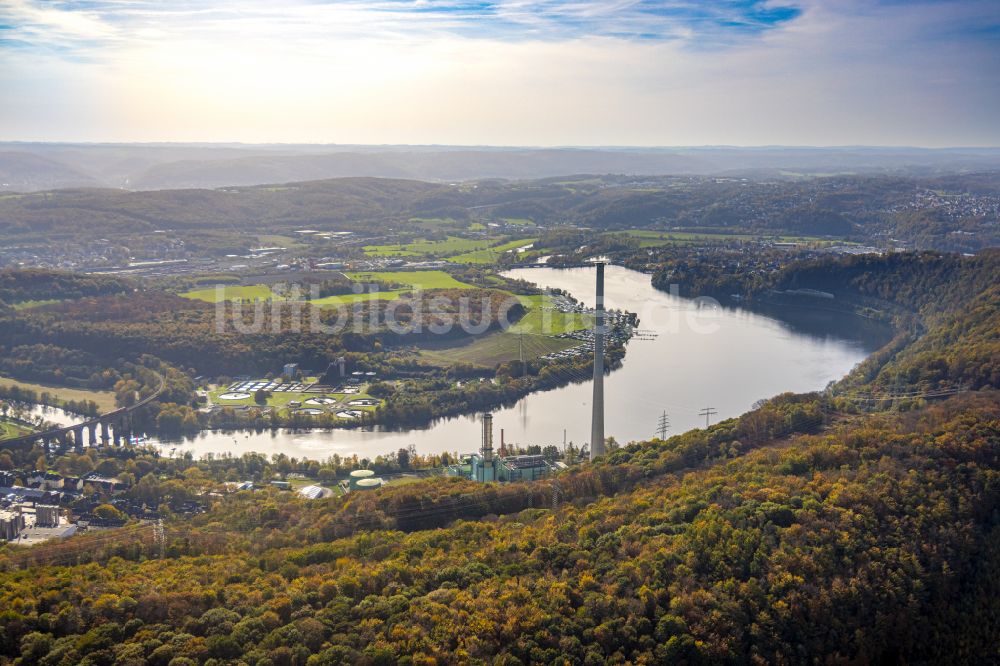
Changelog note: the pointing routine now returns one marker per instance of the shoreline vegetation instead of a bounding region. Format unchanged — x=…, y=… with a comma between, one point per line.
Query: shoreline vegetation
x=484, y=388
x=870, y=511
x=876, y=521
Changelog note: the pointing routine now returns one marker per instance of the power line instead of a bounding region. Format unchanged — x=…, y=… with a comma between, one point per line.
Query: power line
x=663, y=425
x=708, y=412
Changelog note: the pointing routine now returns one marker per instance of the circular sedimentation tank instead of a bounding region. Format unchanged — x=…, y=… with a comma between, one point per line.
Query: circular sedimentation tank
x=309, y=411
x=360, y=475
x=368, y=484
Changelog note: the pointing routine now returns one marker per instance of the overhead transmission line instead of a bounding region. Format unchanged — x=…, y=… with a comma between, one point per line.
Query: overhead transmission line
x=708, y=412
x=663, y=425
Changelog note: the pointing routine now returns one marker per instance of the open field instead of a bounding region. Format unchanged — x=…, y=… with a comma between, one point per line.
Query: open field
x=231, y=293
x=8, y=429
x=488, y=350
x=105, y=399
x=404, y=479
x=435, y=221
x=489, y=255
x=659, y=238
x=648, y=238
x=346, y=299
x=415, y=279
x=449, y=246
x=543, y=319
x=24, y=305
x=457, y=250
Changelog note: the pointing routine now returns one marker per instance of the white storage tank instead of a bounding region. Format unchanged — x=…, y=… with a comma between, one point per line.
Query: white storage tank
x=360, y=475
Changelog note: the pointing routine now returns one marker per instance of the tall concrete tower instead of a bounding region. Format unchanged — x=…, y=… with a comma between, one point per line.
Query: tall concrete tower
x=597, y=422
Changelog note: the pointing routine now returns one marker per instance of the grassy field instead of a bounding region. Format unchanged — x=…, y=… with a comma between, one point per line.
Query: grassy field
x=347, y=299
x=24, y=305
x=105, y=399
x=436, y=221
x=450, y=246
x=415, y=279
x=489, y=255
x=659, y=238
x=541, y=319
x=231, y=293
x=648, y=238
x=8, y=429
x=404, y=479
x=457, y=250
x=488, y=350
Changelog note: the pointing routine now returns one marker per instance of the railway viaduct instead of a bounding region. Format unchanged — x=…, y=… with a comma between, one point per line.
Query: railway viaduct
x=115, y=428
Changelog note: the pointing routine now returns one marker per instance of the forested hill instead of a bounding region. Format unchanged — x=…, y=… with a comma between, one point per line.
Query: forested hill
x=811, y=529
x=24, y=285
x=955, y=212
x=945, y=308
x=875, y=542
x=953, y=336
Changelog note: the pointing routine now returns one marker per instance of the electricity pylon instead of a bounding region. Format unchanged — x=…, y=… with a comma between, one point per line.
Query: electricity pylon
x=663, y=425
x=708, y=412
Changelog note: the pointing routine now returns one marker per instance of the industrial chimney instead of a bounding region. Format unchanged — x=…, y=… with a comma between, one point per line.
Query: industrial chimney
x=597, y=422
x=487, y=438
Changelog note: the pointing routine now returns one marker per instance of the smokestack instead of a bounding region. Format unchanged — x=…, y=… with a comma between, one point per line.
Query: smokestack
x=597, y=422
x=503, y=448
x=487, y=437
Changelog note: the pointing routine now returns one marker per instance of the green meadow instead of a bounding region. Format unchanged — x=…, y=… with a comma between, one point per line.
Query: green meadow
x=543, y=319
x=491, y=349
x=414, y=279
x=231, y=293
x=489, y=255
x=421, y=247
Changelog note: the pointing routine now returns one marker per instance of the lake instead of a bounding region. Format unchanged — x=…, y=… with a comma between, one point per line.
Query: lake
x=701, y=356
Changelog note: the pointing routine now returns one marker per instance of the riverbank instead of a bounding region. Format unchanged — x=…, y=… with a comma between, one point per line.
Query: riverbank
x=692, y=357
x=59, y=396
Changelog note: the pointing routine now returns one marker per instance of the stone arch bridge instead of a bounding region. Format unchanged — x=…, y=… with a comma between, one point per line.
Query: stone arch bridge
x=115, y=428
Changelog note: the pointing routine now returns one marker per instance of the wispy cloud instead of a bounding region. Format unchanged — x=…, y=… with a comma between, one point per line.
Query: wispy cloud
x=87, y=24
x=503, y=71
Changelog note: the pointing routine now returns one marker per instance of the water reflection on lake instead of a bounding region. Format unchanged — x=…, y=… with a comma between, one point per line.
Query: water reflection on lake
x=720, y=357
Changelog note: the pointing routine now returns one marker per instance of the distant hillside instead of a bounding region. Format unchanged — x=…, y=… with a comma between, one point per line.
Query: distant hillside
x=950, y=213
x=22, y=171
x=92, y=213
x=168, y=166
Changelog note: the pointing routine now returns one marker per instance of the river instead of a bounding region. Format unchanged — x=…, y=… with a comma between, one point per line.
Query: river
x=54, y=415
x=701, y=356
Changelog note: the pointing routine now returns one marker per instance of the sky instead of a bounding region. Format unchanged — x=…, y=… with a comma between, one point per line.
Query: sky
x=503, y=72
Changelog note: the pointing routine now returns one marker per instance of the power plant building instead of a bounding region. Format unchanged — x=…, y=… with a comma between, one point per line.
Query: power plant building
x=486, y=466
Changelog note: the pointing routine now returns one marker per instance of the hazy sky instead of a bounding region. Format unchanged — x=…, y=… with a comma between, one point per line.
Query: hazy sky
x=506, y=72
